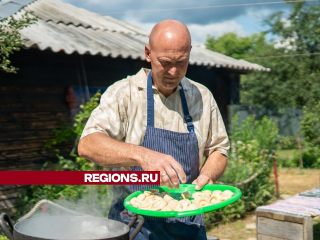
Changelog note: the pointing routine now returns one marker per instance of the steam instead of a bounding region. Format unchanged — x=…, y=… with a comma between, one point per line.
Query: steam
x=88, y=221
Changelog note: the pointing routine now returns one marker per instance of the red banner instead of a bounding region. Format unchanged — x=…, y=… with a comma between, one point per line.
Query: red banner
x=79, y=178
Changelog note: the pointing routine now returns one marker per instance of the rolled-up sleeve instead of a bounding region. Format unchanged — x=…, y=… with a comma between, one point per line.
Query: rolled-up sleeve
x=109, y=117
x=217, y=135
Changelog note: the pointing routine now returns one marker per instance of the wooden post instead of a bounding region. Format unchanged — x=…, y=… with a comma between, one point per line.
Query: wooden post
x=300, y=151
x=276, y=173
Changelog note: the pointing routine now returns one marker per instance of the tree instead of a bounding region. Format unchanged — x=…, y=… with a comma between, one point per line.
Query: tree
x=235, y=46
x=10, y=38
x=294, y=80
x=295, y=76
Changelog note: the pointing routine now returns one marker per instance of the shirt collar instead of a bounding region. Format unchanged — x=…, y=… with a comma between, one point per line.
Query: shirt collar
x=141, y=80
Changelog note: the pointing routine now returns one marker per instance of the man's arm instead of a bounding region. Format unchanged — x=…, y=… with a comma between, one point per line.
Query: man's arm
x=107, y=152
x=212, y=170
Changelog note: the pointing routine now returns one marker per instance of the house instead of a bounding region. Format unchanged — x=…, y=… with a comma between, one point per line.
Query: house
x=72, y=48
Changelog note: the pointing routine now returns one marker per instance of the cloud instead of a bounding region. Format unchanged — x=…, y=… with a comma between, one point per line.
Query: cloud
x=197, y=16
x=199, y=32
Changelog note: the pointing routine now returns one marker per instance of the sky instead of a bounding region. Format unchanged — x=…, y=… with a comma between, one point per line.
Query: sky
x=243, y=20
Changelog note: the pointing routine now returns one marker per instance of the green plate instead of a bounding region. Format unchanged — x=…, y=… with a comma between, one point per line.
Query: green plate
x=176, y=194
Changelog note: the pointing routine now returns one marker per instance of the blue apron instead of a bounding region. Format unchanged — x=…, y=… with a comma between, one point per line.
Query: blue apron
x=183, y=147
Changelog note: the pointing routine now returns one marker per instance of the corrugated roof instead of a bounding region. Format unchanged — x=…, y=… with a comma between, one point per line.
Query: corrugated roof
x=64, y=27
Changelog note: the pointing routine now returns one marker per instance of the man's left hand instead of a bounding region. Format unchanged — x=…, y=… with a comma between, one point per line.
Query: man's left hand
x=201, y=181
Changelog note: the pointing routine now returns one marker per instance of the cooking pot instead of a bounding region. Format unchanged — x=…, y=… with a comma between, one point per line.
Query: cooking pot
x=69, y=227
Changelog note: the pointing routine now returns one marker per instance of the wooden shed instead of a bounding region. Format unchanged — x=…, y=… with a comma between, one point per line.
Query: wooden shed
x=73, y=48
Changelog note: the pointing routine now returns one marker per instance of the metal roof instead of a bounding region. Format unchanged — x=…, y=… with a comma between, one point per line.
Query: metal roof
x=64, y=27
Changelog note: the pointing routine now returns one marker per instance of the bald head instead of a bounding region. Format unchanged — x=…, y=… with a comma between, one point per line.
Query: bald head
x=170, y=32
x=168, y=52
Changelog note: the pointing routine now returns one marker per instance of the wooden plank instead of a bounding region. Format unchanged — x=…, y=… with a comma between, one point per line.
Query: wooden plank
x=18, y=126
x=280, y=216
x=34, y=152
x=266, y=237
x=31, y=88
x=26, y=135
x=280, y=229
x=264, y=213
x=39, y=116
x=33, y=107
x=27, y=97
x=308, y=228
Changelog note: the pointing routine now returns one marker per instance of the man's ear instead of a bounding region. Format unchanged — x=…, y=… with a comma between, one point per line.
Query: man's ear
x=147, y=52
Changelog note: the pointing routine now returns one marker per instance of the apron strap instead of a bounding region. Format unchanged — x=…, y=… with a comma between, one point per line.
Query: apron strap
x=187, y=115
x=150, y=101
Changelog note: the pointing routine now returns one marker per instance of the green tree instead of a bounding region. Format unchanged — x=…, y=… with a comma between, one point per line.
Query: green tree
x=236, y=46
x=294, y=79
x=10, y=38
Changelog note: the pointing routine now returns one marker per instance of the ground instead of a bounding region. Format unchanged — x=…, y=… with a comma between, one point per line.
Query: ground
x=292, y=182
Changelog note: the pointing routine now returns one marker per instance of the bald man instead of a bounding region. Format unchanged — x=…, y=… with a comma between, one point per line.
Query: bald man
x=159, y=120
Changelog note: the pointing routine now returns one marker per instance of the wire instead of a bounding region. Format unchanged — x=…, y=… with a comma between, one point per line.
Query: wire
x=219, y=6
x=283, y=56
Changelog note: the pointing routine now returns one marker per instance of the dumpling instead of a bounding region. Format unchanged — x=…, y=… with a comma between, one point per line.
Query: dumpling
x=178, y=207
x=202, y=202
x=216, y=193
x=215, y=199
x=206, y=193
x=133, y=200
x=167, y=198
x=227, y=193
x=147, y=193
x=173, y=203
x=196, y=195
x=141, y=197
x=185, y=203
x=158, y=205
x=167, y=208
x=192, y=206
x=145, y=205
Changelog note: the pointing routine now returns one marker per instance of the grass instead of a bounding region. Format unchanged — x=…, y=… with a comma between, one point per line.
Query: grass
x=288, y=153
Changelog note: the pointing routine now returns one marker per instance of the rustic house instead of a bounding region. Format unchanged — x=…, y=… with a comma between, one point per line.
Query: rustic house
x=72, y=52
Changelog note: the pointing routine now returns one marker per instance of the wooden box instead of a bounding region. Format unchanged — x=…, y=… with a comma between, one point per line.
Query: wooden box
x=283, y=226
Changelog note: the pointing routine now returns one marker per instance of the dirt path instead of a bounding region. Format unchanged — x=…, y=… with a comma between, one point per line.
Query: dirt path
x=292, y=182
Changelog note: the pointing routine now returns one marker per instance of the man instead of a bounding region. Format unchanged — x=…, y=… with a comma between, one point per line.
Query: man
x=159, y=120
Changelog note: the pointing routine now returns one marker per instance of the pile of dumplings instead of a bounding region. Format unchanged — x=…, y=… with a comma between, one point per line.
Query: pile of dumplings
x=154, y=201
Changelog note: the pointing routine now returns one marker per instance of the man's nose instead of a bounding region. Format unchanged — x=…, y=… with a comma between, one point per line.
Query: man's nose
x=173, y=71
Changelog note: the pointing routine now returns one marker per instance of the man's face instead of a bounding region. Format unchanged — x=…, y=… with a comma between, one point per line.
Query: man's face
x=169, y=61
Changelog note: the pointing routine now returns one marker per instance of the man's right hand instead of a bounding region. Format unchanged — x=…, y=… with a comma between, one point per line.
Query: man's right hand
x=170, y=170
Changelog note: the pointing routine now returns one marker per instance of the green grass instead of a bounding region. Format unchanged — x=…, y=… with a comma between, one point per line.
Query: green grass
x=288, y=153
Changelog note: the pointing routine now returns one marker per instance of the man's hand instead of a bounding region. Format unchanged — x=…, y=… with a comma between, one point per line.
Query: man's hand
x=201, y=181
x=212, y=170
x=170, y=170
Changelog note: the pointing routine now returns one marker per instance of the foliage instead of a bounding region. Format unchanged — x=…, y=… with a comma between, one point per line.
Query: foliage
x=310, y=157
x=295, y=80
x=235, y=46
x=310, y=124
x=73, y=193
x=252, y=143
x=10, y=38
x=3, y=237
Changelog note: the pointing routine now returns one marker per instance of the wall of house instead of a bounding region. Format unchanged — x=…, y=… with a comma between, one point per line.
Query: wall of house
x=33, y=102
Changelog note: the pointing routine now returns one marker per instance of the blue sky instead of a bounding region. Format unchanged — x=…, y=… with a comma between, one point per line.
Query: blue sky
x=243, y=20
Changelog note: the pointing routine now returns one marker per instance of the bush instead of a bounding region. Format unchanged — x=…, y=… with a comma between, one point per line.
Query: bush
x=3, y=237
x=73, y=193
x=252, y=142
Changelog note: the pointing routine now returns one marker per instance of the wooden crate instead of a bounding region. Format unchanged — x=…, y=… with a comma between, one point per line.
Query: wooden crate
x=283, y=226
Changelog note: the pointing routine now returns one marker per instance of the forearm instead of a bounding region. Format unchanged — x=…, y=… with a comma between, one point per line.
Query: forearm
x=108, y=152
x=215, y=166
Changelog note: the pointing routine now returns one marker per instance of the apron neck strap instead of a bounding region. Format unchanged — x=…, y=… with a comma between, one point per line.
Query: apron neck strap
x=150, y=101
